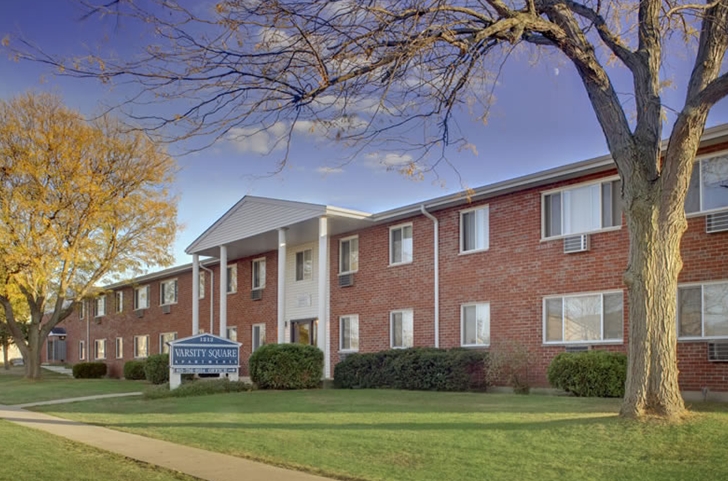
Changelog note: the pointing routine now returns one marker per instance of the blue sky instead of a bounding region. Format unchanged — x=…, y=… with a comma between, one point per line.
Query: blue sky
x=541, y=118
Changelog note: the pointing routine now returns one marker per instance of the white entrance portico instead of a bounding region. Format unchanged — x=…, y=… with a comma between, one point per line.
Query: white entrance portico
x=294, y=235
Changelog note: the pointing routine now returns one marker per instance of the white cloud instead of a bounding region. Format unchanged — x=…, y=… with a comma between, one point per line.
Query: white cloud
x=260, y=141
x=329, y=170
x=387, y=161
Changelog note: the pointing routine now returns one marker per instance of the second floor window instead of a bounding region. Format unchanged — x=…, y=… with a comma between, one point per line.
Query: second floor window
x=100, y=306
x=119, y=301
x=168, y=292
x=258, y=281
x=232, y=279
x=400, y=244
x=582, y=209
x=141, y=298
x=474, y=229
x=349, y=255
x=304, y=265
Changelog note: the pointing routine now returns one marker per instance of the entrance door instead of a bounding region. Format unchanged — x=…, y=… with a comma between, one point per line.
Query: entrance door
x=56, y=350
x=303, y=332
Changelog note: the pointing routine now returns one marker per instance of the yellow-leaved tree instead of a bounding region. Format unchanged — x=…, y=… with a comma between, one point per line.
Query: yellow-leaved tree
x=80, y=202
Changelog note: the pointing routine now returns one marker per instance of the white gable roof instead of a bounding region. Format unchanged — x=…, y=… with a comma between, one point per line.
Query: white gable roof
x=252, y=216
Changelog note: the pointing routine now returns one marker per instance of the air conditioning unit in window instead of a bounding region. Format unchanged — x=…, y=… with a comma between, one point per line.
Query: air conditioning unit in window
x=166, y=309
x=256, y=294
x=577, y=348
x=718, y=351
x=139, y=313
x=577, y=243
x=346, y=280
x=716, y=222
x=97, y=320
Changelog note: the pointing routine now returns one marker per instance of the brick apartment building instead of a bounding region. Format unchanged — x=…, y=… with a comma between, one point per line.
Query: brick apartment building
x=538, y=260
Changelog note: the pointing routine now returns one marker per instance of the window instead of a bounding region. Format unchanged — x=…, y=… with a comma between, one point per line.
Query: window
x=100, y=306
x=582, y=209
x=258, y=336
x=475, y=324
x=349, y=333
x=81, y=350
x=168, y=292
x=119, y=348
x=707, y=191
x=202, y=284
x=304, y=265
x=141, y=346
x=474, y=229
x=232, y=333
x=258, y=273
x=348, y=255
x=82, y=309
x=401, y=328
x=164, y=338
x=583, y=317
x=232, y=278
x=100, y=349
x=119, y=295
x=141, y=298
x=400, y=244
x=702, y=310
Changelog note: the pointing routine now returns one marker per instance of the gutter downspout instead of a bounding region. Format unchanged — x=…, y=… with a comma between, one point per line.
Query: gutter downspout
x=212, y=297
x=436, y=228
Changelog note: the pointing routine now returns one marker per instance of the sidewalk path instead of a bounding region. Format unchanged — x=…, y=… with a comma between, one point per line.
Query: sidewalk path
x=76, y=399
x=195, y=462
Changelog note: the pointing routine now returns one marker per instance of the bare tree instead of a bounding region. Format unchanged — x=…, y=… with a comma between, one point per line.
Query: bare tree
x=399, y=70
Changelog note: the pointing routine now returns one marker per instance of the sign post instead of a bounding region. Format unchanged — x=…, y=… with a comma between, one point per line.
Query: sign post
x=203, y=354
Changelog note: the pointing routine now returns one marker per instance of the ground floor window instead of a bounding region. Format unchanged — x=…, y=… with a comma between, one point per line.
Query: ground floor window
x=702, y=310
x=81, y=350
x=100, y=349
x=141, y=346
x=401, y=328
x=232, y=333
x=258, y=336
x=164, y=338
x=349, y=333
x=119, y=348
x=475, y=324
x=583, y=318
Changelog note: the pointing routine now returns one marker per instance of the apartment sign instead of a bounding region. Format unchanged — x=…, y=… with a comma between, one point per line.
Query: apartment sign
x=203, y=354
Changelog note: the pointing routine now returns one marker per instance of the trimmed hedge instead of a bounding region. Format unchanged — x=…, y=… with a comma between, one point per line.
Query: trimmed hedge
x=422, y=369
x=287, y=366
x=589, y=373
x=89, y=370
x=198, y=388
x=134, y=371
x=156, y=368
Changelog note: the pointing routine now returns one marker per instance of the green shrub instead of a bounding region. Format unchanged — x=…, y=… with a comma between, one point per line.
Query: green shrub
x=424, y=369
x=134, y=370
x=507, y=364
x=89, y=370
x=198, y=388
x=589, y=373
x=156, y=368
x=287, y=366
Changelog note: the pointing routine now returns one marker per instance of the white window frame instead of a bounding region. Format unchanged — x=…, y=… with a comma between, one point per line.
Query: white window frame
x=411, y=314
x=137, y=307
x=702, y=336
x=162, y=289
x=261, y=327
x=698, y=160
x=391, y=244
x=230, y=329
x=100, y=301
x=260, y=261
x=97, y=343
x=82, y=310
x=544, y=194
x=119, y=345
x=119, y=301
x=341, y=258
x=202, y=284
x=162, y=342
x=462, y=323
x=486, y=234
x=354, y=323
x=81, y=350
x=303, y=265
x=136, y=347
x=563, y=342
x=232, y=278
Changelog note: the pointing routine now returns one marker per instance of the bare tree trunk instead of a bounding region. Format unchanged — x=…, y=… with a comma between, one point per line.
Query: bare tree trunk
x=655, y=230
x=5, y=356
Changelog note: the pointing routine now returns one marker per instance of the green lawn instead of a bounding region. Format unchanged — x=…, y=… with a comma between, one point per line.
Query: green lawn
x=396, y=435
x=14, y=389
x=30, y=455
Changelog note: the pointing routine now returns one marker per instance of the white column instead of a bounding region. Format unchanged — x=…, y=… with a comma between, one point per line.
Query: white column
x=281, y=284
x=323, y=284
x=195, y=294
x=223, y=292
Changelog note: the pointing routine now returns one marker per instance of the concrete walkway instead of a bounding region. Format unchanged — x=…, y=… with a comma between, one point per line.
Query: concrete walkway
x=195, y=462
x=58, y=369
